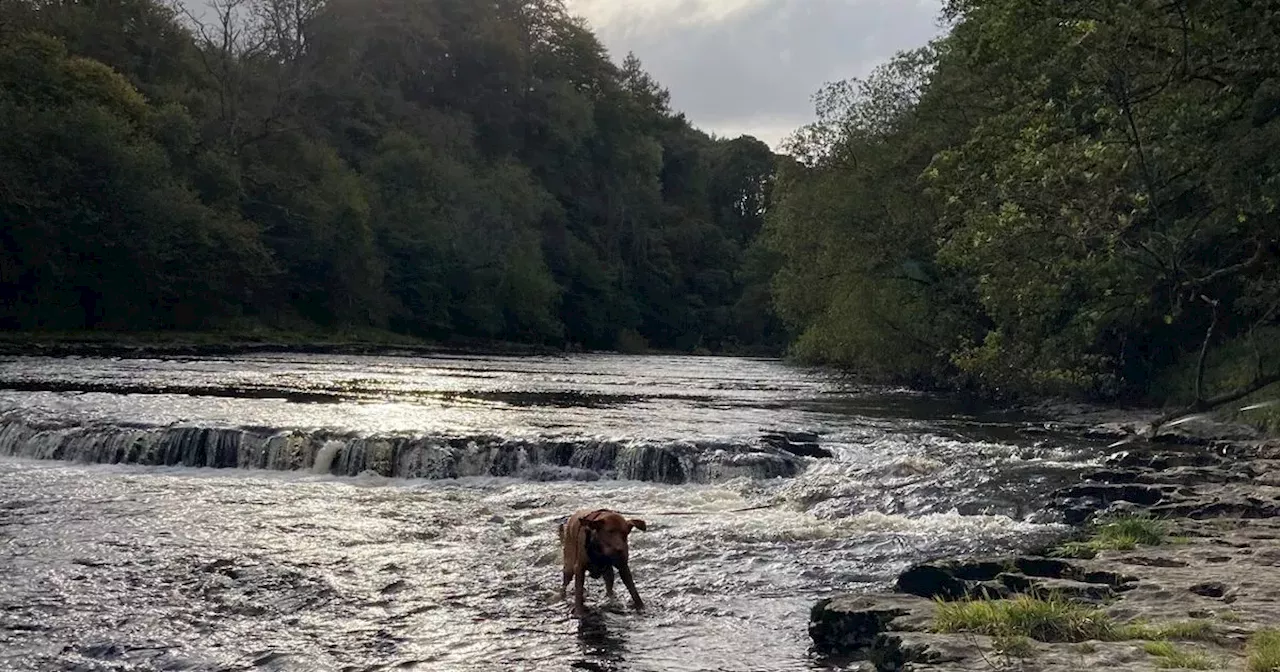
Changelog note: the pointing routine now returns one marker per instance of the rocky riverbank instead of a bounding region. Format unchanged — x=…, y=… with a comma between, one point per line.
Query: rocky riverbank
x=1195, y=598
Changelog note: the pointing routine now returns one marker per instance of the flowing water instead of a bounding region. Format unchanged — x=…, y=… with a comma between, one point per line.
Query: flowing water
x=309, y=512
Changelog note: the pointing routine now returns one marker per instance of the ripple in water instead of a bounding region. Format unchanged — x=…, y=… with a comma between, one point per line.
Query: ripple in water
x=128, y=567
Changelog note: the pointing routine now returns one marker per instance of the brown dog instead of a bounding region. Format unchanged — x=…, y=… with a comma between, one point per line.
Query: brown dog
x=595, y=543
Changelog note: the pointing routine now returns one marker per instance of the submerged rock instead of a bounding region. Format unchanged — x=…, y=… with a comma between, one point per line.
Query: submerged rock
x=800, y=444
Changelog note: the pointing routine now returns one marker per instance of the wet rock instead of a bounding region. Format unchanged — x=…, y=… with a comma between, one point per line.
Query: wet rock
x=218, y=565
x=1214, y=589
x=394, y=587
x=1078, y=511
x=1044, y=567
x=1146, y=495
x=950, y=579
x=801, y=444
x=1118, y=476
x=896, y=651
x=1232, y=508
x=1165, y=459
x=853, y=624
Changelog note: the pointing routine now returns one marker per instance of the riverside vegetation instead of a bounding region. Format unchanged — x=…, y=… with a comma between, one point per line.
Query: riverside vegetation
x=1053, y=198
x=436, y=169
x=1058, y=197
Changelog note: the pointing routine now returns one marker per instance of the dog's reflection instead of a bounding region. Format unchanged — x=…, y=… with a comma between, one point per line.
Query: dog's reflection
x=602, y=649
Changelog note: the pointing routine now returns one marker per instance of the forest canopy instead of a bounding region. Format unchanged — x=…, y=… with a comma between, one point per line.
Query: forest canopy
x=433, y=167
x=1058, y=196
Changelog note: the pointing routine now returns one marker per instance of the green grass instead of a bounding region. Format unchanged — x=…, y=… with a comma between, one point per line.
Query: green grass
x=1230, y=617
x=1129, y=532
x=1054, y=619
x=1190, y=631
x=1046, y=620
x=1173, y=658
x=1123, y=533
x=1264, y=651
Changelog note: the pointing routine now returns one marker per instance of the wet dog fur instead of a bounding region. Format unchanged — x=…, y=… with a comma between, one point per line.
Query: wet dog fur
x=594, y=542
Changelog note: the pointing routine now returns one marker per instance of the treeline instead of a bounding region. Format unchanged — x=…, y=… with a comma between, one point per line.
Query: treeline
x=433, y=167
x=1057, y=196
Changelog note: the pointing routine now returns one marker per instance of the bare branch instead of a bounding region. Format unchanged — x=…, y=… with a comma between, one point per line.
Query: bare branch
x=1253, y=262
x=1211, y=403
x=1204, y=347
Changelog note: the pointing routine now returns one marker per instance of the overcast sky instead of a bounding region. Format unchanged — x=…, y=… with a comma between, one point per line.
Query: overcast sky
x=751, y=66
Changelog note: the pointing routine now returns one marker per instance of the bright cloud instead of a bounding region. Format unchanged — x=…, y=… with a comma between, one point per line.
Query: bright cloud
x=752, y=66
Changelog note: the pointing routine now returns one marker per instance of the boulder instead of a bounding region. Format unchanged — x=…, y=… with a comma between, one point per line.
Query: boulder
x=851, y=624
x=951, y=579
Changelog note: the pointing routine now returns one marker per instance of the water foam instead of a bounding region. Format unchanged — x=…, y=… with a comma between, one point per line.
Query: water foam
x=398, y=456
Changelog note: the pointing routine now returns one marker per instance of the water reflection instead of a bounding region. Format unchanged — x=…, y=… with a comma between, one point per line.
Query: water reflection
x=250, y=570
x=602, y=648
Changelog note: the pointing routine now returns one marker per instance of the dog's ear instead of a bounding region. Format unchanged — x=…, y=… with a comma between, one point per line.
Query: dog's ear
x=639, y=524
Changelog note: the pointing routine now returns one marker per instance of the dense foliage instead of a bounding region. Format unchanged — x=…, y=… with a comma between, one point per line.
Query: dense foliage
x=1058, y=195
x=436, y=167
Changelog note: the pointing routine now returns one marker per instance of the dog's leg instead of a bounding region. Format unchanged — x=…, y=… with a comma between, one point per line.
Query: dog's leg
x=608, y=582
x=567, y=576
x=624, y=570
x=579, y=599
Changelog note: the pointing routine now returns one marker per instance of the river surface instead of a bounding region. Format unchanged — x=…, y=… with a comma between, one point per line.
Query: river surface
x=323, y=512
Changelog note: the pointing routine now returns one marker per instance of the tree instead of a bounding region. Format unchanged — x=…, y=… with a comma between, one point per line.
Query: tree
x=441, y=168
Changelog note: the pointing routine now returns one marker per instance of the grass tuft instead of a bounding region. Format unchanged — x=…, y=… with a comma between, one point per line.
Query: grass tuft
x=1264, y=651
x=1122, y=533
x=1188, y=631
x=1130, y=532
x=1046, y=620
x=1055, y=619
x=1173, y=658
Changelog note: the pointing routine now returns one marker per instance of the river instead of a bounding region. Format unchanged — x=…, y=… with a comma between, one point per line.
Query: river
x=344, y=513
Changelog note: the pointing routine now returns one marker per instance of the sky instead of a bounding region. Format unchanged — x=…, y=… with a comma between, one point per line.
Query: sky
x=752, y=66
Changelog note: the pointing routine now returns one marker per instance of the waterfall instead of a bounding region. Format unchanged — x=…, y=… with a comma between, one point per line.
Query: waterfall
x=426, y=457
x=324, y=458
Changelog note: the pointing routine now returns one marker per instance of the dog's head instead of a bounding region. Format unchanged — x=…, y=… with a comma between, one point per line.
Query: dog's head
x=609, y=532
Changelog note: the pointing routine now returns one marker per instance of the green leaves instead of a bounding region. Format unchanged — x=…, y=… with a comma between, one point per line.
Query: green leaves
x=1086, y=167
x=444, y=168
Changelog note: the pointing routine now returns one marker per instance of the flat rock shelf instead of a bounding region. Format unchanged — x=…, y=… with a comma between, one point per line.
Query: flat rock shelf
x=1202, y=594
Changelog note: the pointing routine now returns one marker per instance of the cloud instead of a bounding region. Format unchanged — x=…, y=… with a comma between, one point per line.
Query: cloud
x=661, y=12
x=737, y=66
